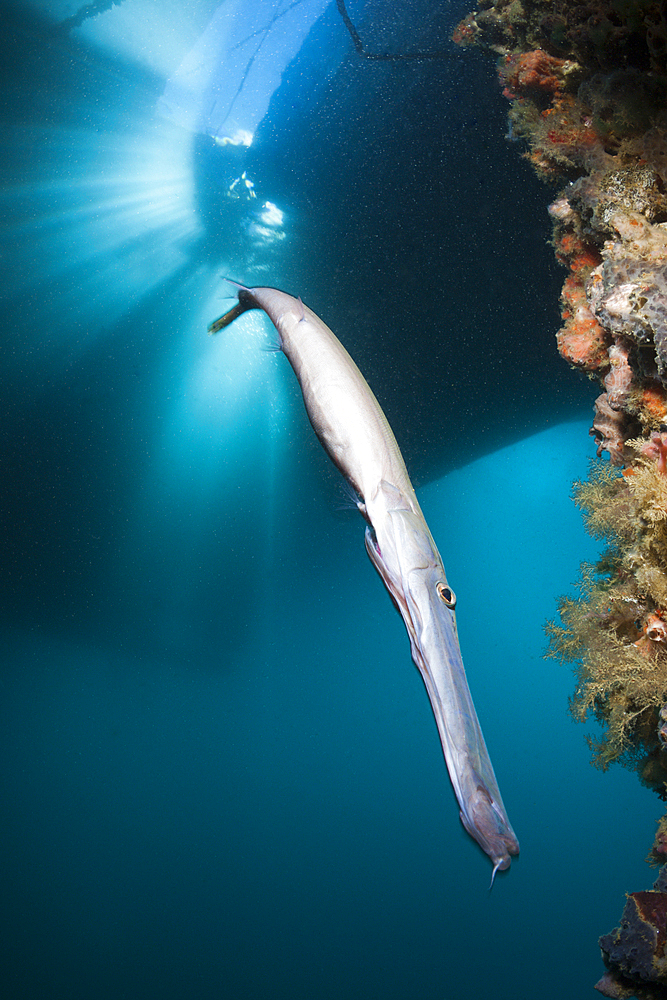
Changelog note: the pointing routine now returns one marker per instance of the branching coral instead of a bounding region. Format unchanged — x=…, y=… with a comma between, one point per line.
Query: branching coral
x=588, y=91
x=587, y=85
x=615, y=629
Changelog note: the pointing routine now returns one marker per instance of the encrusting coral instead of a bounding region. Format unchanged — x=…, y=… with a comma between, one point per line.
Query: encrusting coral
x=634, y=952
x=588, y=92
x=587, y=86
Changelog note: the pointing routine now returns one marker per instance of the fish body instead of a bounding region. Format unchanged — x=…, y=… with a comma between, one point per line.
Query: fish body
x=356, y=435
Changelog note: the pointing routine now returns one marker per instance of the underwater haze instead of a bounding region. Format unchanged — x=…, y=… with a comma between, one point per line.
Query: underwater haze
x=220, y=773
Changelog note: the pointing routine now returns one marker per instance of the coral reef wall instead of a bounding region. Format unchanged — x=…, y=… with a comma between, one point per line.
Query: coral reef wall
x=587, y=86
x=587, y=90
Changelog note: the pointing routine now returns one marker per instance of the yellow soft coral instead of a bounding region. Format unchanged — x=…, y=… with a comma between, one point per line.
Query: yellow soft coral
x=615, y=628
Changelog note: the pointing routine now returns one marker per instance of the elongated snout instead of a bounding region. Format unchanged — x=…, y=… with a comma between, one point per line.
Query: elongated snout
x=354, y=432
x=406, y=557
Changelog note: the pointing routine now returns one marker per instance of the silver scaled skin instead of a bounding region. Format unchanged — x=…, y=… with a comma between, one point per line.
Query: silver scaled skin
x=355, y=433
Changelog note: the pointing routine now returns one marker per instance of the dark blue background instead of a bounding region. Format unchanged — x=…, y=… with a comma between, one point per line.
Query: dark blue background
x=220, y=773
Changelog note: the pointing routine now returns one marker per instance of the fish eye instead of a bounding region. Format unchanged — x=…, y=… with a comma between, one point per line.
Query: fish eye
x=446, y=595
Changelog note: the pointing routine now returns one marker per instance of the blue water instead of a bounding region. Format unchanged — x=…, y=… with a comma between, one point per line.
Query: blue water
x=220, y=774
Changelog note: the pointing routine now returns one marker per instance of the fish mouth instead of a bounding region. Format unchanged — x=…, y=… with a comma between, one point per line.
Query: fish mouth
x=412, y=572
x=484, y=819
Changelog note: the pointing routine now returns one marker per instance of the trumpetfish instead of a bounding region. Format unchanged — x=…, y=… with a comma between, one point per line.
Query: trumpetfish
x=356, y=435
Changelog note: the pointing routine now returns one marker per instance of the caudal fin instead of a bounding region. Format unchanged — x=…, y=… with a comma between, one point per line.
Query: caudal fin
x=244, y=303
